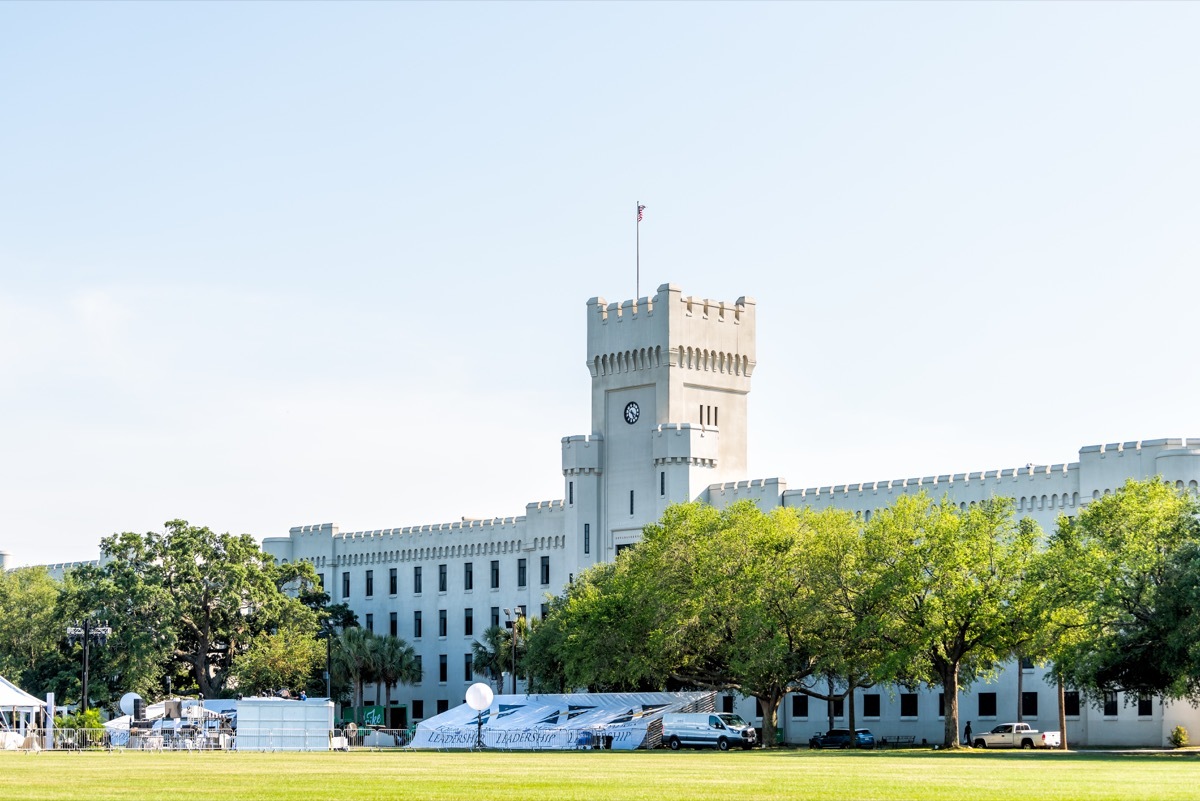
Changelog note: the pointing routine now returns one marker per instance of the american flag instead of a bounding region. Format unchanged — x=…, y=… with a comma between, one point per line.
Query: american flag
x=641, y=208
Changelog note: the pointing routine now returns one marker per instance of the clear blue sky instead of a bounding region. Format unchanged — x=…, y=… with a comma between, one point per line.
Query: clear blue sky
x=264, y=265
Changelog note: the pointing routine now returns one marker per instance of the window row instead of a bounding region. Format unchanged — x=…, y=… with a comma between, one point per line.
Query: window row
x=443, y=577
x=986, y=705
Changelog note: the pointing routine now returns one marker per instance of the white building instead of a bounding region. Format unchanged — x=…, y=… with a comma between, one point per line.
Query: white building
x=670, y=377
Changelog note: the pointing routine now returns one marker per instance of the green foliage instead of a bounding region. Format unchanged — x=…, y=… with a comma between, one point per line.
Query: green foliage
x=1179, y=737
x=493, y=656
x=1129, y=568
x=32, y=628
x=89, y=719
x=280, y=660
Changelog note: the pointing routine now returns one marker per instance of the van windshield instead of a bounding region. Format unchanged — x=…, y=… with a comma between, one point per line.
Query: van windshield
x=730, y=719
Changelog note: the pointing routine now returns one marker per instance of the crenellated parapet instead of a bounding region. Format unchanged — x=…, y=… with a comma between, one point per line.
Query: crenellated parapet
x=582, y=455
x=684, y=443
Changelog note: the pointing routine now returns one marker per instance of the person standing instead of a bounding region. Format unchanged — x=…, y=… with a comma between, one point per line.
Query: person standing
x=967, y=734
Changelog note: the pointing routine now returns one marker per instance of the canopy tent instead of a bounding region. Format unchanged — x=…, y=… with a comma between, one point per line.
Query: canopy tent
x=623, y=721
x=13, y=697
x=16, y=707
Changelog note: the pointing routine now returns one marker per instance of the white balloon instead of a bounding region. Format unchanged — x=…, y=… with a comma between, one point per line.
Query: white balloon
x=127, y=702
x=479, y=696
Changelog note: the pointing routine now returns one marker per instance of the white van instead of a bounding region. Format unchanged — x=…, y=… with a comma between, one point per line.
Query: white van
x=703, y=729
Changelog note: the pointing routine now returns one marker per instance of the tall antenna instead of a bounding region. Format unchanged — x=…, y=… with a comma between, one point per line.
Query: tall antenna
x=637, y=289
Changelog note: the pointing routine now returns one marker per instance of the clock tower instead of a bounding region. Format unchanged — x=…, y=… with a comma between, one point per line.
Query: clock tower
x=670, y=377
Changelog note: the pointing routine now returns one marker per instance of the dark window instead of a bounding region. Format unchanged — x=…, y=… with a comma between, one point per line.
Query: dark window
x=941, y=705
x=799, y=705
x=1071, y=703
x=520, y=572
x=420, y=675
x=545, y=570
x=469, y=576
x=468, y=621
x=908, y=705
x=417, y=625
x=1026, y=663
x=370, y=583
x=1029, y=704
x=345, y=585
x=570, y=492
x=441, y=578
x=442, y=668
x=370, y=623
x=1110, y=705
x=716, y=413
x=468, y=668
x=587, y=538
x=443, y=705
x=495, y=617
x=545, y=610
x=837, y=707
x=662, y=483
x=417, y=579
x=987, y=705
x=321, y=580
x=418, y=708
x=871, y=705
x=727, y=703
x=1145, y=706
x=393, y=625
x=631, y=502
x=702, y=414
x=441, y=622
x=393, y=582
x=495, y=574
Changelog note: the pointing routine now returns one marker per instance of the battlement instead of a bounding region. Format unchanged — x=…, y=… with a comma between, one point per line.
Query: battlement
x=685, y=443
x=582, y=453
x=671, y=330
x=940, y=483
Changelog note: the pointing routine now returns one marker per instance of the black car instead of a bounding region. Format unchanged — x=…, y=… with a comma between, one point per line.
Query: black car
x=840, y=738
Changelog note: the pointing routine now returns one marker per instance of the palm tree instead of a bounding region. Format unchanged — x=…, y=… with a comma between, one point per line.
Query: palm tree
x=395, y=663
x=354, y=658
x=491, y=658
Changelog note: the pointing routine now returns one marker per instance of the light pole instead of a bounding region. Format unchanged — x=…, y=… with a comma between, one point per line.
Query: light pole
x=512, y=624
x=85, y=633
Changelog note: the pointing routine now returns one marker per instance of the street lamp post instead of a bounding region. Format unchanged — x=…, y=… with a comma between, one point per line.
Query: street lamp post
x=84, y=633
x=512, y=624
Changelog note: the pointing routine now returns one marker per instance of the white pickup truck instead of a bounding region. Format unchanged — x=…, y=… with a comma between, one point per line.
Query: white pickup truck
x=1017, y=735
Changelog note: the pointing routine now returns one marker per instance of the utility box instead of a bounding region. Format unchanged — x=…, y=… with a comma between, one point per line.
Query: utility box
x=278, y=724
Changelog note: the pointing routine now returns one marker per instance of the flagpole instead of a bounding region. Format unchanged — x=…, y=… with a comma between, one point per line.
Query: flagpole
x=637, y=288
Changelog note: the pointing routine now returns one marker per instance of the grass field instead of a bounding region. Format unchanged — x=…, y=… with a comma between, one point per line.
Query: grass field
x=658, y=775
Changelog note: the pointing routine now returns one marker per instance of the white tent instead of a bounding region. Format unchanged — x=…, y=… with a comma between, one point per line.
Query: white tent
x=15, y=702
x=13, y=697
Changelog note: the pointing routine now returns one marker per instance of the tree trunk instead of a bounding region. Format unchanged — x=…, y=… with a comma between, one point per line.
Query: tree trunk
x=770, y=717
x=850, y=713
x=1062, y=709
x=1020, y=689
x=950, y=693
x=829, y=703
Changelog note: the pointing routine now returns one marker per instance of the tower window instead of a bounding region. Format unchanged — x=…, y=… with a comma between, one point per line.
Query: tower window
x=631, y=502
x=393, y=625
x=545, y=567
x=417, y=579
x=469, y=576
x=442, y=578
x=370, y=583
x=662, y=483
x=716, y=411
x=571, y=492
x=521, y=572
x=468, y=621
x=393, y=581
x=495, y=574
x=416, y=624
x=702, y=414
x=587, y=538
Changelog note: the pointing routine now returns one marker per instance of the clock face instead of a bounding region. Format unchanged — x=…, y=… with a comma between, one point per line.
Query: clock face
x=632, y=412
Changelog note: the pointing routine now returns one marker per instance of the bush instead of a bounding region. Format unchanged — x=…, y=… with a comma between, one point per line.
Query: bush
x=1179, y=737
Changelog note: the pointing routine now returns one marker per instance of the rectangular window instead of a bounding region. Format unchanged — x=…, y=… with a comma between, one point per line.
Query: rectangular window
x=837, y=707
x=468, y=667
x=469, y=576
x=468, y=621
x=545, y=570
x=587, y=538
x=321, y=580
x=370, y=583
x=370, y=623
x=442, y=578
x=417, y=625
x=417, y=579
x=871, y=705
x=345, y=585
x=1145, y=706
x=520, y=572
x=393, y=625
x=443, y=705
x=662, y=483
x=418, y=708
x=987, y=705
x=1110, y=705
x=1026, y=663
x=495, y=617
x=1071, y=703
x=545, y=610
x=571, y=493
x=1029, y=704
x=716, y=412
x=631, y=502
x=800, y=705
x=495, y=574
x=941, y=705
x=702, y=414
x=442, y=668
x=393, y=582
x=442, y=625
x=521, y=611
x=727, y=703
x=420, y=676
x=908, y=705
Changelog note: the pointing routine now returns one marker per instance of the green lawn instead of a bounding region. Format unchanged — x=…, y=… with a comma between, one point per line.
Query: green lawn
x=596, y=776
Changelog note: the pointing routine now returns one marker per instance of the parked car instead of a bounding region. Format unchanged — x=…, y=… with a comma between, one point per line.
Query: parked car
x=840, y=738
x=1017, y=735
x=712, y=729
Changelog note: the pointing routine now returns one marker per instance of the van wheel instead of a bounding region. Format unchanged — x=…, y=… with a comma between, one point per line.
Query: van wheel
x=673, y=743
x=981, y=743
x=723, y=744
